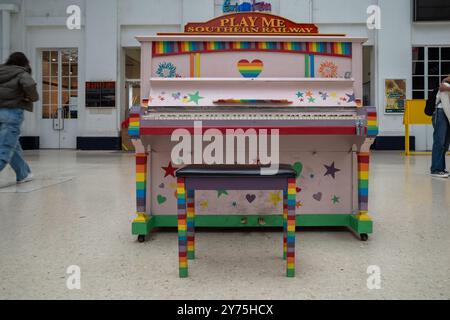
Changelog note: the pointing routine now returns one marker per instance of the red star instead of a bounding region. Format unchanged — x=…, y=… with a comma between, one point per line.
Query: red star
x=170, y=170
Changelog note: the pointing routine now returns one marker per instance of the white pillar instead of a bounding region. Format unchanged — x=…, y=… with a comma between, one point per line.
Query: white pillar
x=6, y=10
x=6, y=43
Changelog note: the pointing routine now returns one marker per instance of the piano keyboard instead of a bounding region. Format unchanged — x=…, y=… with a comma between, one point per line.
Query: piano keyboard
x=204, y=116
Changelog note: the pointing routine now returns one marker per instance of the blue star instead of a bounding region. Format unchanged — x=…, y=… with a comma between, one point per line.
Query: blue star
x=331, y=170
x=351, y=97
x=299, y=94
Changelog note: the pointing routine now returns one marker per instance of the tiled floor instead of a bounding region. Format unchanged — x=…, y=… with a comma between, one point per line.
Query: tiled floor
x=79, y=210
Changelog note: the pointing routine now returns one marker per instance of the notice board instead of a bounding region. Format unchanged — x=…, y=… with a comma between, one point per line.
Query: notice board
x=100, y=94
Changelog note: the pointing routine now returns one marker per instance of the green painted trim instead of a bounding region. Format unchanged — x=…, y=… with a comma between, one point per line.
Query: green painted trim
x=252, y=221
x=143, y=228
x=361, y=226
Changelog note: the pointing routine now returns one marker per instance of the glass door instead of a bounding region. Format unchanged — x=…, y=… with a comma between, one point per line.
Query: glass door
x=59, y=98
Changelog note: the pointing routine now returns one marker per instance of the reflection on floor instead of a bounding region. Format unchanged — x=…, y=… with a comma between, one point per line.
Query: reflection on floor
x=79, y=209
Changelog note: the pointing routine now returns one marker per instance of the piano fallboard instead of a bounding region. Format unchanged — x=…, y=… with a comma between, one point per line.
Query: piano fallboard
x=289, y=121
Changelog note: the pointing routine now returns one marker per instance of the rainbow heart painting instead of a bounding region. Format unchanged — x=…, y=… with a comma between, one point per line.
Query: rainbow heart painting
x=250, y=69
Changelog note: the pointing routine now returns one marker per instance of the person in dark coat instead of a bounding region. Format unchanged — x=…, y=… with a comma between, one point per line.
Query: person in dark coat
x=17, y=94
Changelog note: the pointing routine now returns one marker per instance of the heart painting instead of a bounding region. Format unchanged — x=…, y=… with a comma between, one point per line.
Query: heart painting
x=250, y=69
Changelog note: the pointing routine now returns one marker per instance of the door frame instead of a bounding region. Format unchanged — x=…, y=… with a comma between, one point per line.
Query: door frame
x=49, y=127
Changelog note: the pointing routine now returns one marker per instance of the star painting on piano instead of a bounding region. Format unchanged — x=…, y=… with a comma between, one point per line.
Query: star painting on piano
x=169, y=170
x=351, y=97
x=335, y=199
x=331, y=170
x=275, y=198
x=195, y=97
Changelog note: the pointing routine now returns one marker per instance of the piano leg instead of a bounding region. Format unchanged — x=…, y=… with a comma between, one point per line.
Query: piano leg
x=191, y=224
x=182, y=228
x=363, y=189
x=285, y=216
x=291, y=224
x=141, y=221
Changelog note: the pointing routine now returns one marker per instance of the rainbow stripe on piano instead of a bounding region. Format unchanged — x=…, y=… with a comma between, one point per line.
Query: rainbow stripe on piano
x=291, y=227
x=372, y=125
x=133, y=126
x=141, y=181
x=164, y=48
x=363, y=183
x=182, y=228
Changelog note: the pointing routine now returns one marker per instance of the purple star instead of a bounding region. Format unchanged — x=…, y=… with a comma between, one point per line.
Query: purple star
x=331, y=170
x=351, y=97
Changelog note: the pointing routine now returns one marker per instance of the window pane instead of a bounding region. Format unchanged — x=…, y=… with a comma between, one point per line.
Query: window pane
x=45, y=97
x=418, y=53
x=54, y=69
x=73, y=69
x=54, y=83
x=418, y=95
x=433, y=82
x=445, y=54
x=433, y=68
x=73, y=83
x=45, y=83
x=65, y=69
x=45, y=69
x=418, y=68
x=418, y=83
x=45, y=111
x=65, y=83
x=65, y=98
x=53, y=110
x=54, y=56
x=45, y=56
x=433, y=53
x=74, y=93
x=445, y=68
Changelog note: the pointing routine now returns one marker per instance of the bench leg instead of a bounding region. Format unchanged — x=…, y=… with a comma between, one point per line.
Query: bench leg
x=191, y=224
x=285, y=216
x=182, y=229
x=290, y=261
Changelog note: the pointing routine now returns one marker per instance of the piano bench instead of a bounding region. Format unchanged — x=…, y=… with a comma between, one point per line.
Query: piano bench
x=233, y=177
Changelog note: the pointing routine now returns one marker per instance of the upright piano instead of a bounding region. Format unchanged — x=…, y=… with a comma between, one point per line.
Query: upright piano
x=295, y=90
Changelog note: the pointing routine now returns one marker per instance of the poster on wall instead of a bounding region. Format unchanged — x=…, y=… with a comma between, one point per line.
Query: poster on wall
x=101, y=94
x=395, y=92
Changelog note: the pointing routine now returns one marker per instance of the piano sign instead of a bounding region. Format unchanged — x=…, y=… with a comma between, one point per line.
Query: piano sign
x=101, y=94
x=250, y=23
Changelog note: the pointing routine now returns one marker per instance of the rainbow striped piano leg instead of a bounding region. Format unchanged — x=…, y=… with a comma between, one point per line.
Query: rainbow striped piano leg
x=141, y=193
x=285, y=216
x=182, y=229
x=191, y=224
x=363, y=185
x=291, y=195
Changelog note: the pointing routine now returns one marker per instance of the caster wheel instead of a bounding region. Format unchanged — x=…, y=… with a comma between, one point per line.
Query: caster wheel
x=364, y=236
x=141, y=238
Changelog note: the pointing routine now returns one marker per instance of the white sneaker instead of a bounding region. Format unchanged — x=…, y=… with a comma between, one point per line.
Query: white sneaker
x=440, y=175
x=28, y=178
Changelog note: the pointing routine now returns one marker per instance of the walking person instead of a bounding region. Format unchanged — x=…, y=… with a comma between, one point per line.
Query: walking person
x=17, y=94
x=441, y=135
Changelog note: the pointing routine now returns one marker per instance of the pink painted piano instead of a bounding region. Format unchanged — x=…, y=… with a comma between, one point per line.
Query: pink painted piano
x=307, y=88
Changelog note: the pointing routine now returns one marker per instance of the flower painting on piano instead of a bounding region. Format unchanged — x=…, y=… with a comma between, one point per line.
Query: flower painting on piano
x=328, y=69
x=166, y=70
